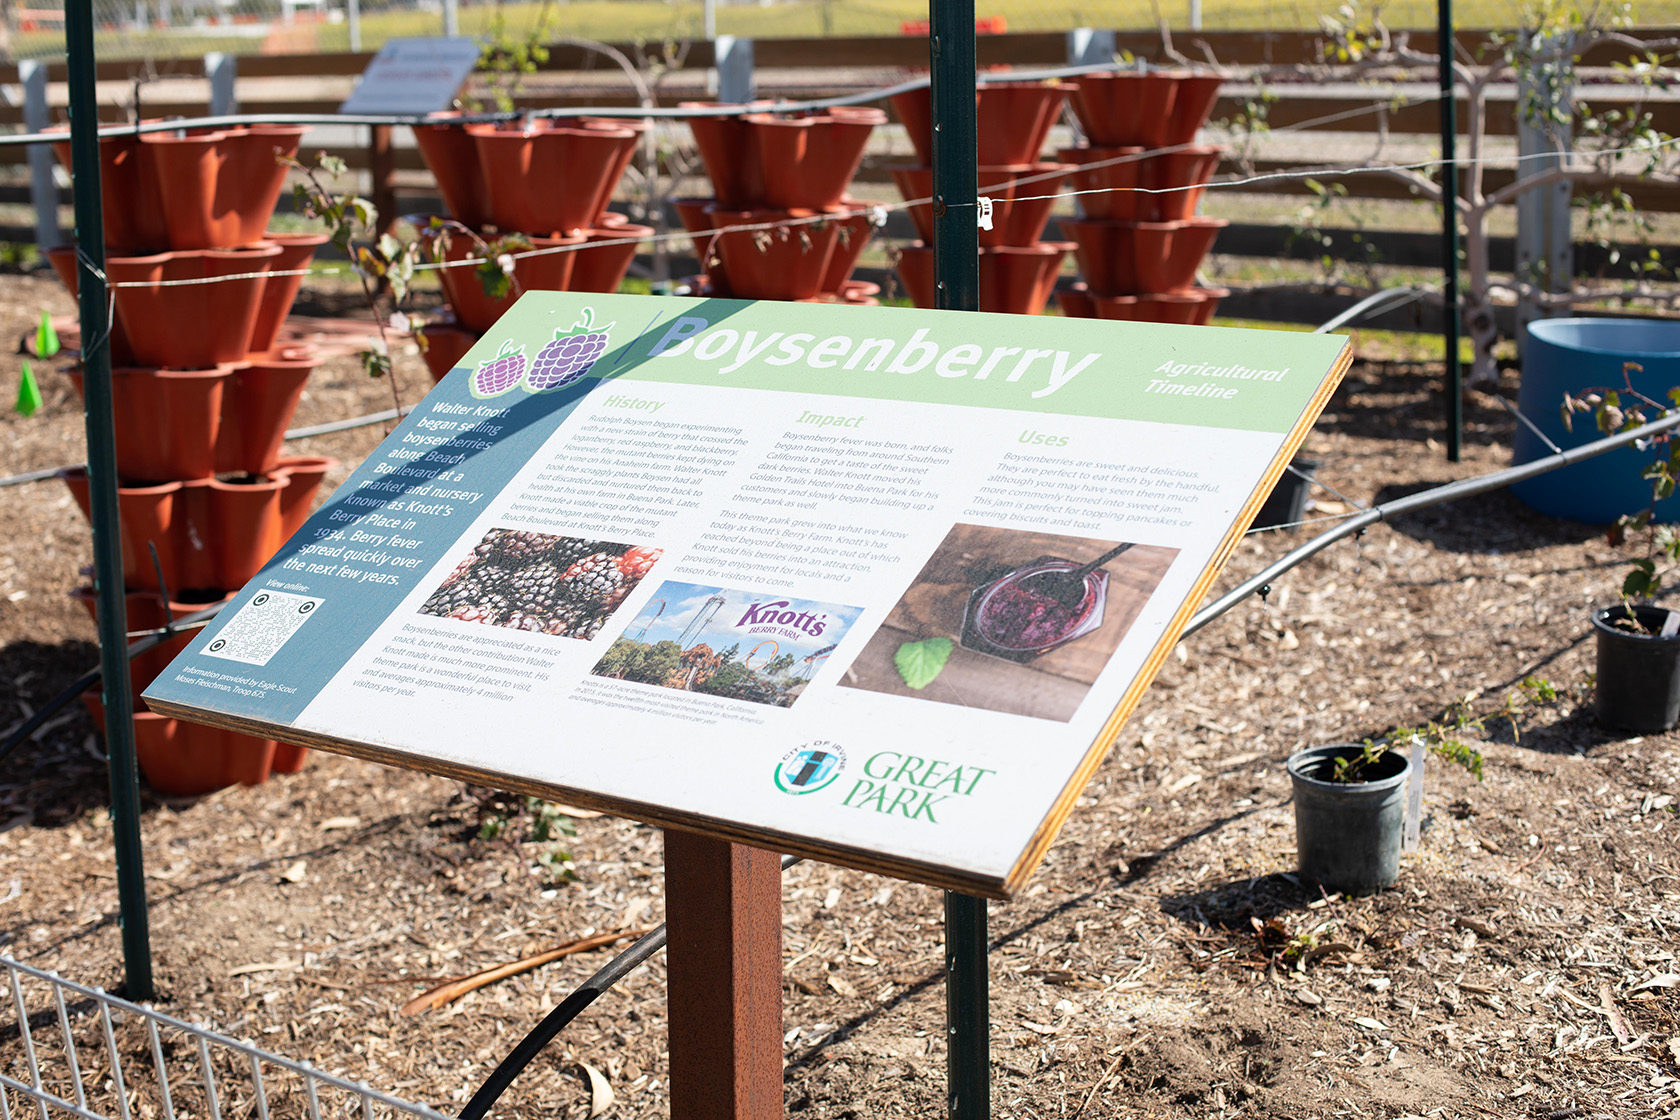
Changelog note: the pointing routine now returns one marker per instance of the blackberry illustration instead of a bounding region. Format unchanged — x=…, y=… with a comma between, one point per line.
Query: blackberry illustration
x=497, y=375
x=569, y=356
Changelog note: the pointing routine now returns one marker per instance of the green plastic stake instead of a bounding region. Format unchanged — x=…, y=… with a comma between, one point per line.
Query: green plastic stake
x=29, y=393
x=46, y=339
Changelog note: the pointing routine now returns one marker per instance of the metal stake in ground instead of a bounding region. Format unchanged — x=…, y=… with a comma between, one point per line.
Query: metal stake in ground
x=1449, y=231
x=956, y=270
x=118, y=695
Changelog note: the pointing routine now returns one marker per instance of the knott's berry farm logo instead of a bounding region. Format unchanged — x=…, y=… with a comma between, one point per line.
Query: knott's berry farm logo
x=569, y=357
x=777, y=618
x=811, y=767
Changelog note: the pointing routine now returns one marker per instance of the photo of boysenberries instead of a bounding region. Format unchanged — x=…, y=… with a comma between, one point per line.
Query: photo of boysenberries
x=541, y=582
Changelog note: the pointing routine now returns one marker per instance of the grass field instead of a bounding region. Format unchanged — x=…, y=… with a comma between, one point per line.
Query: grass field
x=654, y=20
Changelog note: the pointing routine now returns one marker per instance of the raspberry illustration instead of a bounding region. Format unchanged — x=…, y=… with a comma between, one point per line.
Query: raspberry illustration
x=636, y=562
x=569, y=356
x=494, y=377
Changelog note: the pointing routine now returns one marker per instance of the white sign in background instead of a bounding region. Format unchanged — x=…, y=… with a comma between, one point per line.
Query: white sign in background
x=413, y=76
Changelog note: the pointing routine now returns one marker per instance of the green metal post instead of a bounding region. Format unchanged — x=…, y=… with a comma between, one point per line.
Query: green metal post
x=956, y=270
x=1449, y=232
x=102, y=494
x=967, y=1011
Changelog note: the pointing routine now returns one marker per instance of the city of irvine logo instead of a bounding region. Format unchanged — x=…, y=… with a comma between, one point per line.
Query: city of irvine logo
x=811, y=767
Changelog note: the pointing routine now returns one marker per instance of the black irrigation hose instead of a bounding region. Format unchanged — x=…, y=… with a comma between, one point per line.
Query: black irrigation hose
x=88, y=679
x=570, y=1008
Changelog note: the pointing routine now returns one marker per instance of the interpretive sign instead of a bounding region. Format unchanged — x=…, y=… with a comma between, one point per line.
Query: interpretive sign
x=872, y=585
x=413, y=76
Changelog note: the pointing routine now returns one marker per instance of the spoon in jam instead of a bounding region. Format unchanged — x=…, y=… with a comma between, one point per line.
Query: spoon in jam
x=1068, y=588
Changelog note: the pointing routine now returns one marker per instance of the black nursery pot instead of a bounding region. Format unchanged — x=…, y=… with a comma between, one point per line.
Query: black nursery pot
x=1638, y=670
x=1347, y=834
x=1287, y=502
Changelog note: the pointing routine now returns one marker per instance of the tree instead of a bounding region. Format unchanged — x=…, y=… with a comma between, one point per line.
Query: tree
x=658, y=663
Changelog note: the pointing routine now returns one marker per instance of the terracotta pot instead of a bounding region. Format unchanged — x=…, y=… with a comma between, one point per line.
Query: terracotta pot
x=551, y=272
x=1115, y=173
x=257, y=408
x=218, y=189
x=446, y=345
x=1191, y=308
x=63, y=261
x=174, y=425
x=789, y=264
x=695, y=216
x=190, y=326
x=1014, y=280
x=144, y=610
x=452, y=157
x=611, y=219
x=1168, y=253
x=1077, y=302
x=860, y=291
x=208, y=533
x=1155, y=110
x=808, y=162
x=1015, y=119
x=167, y=421
x=641, y=127
x=1019, y=215
x=729, y=148
x=549, y=180
x=1128, y=258
x=854, y=234
x=601, y=266
x=130, y=203
x=296, y=251
x=181, y=759
x=289, y=758
x=1141, y=188
x=303, y=475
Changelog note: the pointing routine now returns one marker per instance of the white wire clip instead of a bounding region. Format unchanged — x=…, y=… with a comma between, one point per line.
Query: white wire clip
x=985, y=217
x=878, y=217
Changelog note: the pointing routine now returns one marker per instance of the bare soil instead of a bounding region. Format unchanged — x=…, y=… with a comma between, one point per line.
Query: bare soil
x=1523, y=966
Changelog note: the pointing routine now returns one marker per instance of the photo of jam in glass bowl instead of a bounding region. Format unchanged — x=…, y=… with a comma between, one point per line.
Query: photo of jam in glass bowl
x=1032, y=610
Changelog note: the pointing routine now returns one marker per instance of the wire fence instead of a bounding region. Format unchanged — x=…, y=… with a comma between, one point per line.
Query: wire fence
x=167, y=29
x=79, y=1051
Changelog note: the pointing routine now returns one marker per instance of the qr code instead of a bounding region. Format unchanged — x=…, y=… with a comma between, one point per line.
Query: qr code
x=262, y=626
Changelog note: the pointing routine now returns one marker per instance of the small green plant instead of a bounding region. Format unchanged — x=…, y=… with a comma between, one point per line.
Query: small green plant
x=507, y=59
x=1621, y=410
x=1439, y=737
x=529, y=820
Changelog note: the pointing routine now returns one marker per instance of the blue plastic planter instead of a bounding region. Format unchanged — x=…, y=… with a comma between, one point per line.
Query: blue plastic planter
x=1570, y=355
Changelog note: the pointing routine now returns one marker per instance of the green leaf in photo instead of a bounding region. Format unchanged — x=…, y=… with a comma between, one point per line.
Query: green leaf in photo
x=919, y=662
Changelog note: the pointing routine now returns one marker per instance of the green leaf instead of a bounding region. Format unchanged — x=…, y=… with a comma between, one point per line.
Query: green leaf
x=29, y=393
x=46, y=339
x=920, y=662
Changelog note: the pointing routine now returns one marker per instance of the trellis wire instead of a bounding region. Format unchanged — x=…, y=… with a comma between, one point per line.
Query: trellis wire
x=213, y=1071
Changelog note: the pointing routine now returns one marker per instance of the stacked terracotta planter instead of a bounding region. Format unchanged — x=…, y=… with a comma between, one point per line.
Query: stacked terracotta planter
x=202, y=396
x=550, y=183
x=770, y=170
x=1018, y=268
x=1140, y=240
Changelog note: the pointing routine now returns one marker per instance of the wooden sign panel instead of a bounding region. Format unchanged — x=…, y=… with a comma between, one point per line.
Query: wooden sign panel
x=871, y=585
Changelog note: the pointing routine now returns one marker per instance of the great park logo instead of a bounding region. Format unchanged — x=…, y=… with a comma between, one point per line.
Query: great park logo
x=811, y=767
x=569, y=357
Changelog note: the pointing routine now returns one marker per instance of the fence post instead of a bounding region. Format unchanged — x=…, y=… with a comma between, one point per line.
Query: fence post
x=43, y=187
x=1087, y=46
x=353, y=9
x=451, y=18
x=223, y=70
x=734, y=64
x=1545, y=248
